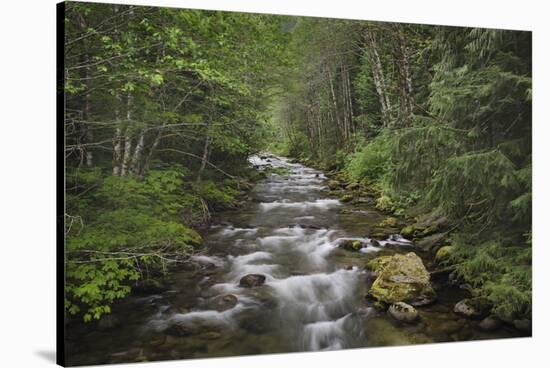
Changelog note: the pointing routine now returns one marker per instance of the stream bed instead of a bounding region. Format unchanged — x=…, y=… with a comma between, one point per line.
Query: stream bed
x=312, y=298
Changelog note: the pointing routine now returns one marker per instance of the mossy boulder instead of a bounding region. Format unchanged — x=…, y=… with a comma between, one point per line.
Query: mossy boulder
x=408, y=231
x=351, y=244
x=402, y=278
x=346, y=198
x=430, y=242
x=377, y=264
x=353, y=186
x=333, y=184
x=388, y=222
x=443, y=253
x=384, y=203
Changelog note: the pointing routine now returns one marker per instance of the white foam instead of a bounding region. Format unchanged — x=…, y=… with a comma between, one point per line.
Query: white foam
x=322, y=204
x=325, y=335
x=217, y=261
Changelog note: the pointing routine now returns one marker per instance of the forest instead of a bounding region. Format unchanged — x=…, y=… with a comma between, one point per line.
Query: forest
x=165, y=107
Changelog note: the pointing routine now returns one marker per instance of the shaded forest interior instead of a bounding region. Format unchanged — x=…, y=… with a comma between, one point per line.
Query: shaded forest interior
x=165, y=106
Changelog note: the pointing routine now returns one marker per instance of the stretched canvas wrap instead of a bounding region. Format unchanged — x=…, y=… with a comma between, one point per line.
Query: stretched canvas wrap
x=239, y=183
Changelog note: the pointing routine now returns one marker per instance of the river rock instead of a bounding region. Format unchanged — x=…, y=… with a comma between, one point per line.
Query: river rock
x=429, y=242
x=255, y=320
x=490, y=323
x=524, y=325
x=211, y=335
x=443, y=253
x=333, y=184
x=473, y=307
x=252, y=280
x=402, y=278
x=149, y=286
x=346, y=198
x=223, y=302
x=407, y=231
x=377, y=264
x=403, y=312
x=351, y=244
x=108, y=322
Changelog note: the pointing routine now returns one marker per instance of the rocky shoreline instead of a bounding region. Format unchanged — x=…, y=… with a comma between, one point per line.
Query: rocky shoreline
x=427, y=236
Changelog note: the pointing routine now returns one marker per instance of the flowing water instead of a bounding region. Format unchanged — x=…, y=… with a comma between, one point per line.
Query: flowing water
x=312, y=298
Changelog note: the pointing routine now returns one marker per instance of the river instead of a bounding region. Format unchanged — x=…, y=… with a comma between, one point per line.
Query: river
x=313, y=297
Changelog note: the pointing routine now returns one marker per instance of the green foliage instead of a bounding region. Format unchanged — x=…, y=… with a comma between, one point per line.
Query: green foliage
x=159, y=103
x=371, y=160
x=499, y=270
x=465, y=151
x=128, y=224
x=217, y=196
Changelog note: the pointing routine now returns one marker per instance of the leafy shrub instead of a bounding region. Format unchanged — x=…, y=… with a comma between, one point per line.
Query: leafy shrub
x=372, y=160
x=128, y=227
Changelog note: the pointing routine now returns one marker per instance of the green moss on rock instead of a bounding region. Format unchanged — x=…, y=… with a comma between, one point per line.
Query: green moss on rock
x=353, y=186
x=407, y=231
x=378, y=264
x=388, y=221
x=402, y=278
x=346, y=198
x=333, y=184
x=443, y=253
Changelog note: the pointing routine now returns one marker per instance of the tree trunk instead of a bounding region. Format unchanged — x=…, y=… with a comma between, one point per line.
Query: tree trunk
x=378, y=77
x=334, y=103
x=136, y=160
x=117, y=149
x=87, y=116
x=126, y=160
x=407, y=77
x=204, y=156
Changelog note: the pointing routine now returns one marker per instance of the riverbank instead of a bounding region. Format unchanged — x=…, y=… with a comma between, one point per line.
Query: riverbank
x=277, y=275
x=431, y=233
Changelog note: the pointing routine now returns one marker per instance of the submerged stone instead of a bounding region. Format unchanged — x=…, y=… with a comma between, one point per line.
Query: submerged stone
x=473, y=307
x=108, y=322
x=490, y=323
x=223, y=302
x=403, y=312
x=351, y=244
x=252, y=280
x=402, y=278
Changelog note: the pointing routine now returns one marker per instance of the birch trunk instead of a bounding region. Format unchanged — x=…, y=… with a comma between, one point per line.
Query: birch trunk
x=378, y=77
x=136, y=160
x=334, y=103
x=127, y=155
x=407, y=78
x=204, y=157
x=117, y=149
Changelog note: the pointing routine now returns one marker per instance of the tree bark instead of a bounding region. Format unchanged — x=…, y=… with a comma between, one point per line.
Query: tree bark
x=334, y=103
x=136, y=160
x=204, y=158
x=378, y=76
x=127, y=155
x=117, y=149
x=406, y=76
